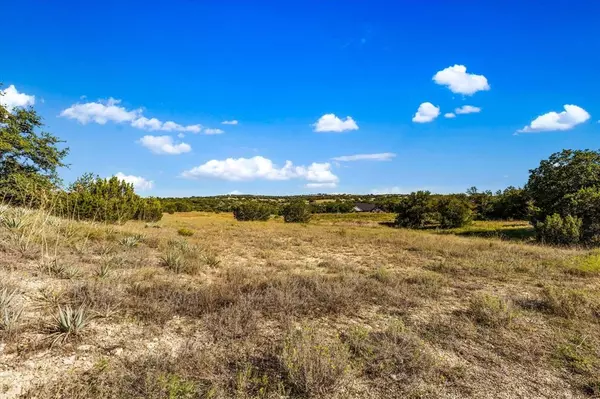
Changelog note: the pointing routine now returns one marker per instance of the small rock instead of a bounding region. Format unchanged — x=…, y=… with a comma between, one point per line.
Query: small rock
x=84, y=347
x=117, y=351
x=69, y=360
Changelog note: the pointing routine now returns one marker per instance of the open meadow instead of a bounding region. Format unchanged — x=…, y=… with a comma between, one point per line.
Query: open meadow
x=200, y=305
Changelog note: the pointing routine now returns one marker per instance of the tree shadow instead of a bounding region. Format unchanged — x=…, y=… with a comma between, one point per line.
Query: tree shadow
x=512, y=234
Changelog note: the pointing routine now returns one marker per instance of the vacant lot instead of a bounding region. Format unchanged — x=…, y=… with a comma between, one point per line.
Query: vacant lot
x=200, y=305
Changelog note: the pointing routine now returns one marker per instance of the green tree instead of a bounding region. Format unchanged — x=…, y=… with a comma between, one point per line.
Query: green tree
x=563, y=173
x=416, y=210
x=454, y=212
x=558, y=230
x=110, y=200
x=297, y=211
x=252, y=210
x=567, y=185
x=29, y=157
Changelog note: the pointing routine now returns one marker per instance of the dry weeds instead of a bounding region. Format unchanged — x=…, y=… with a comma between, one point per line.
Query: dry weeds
x=338, y=308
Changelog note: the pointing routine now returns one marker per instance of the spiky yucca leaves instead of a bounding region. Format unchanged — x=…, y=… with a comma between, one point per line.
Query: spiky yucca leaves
x=132, y=241
x=68, y=323
x=10, y=312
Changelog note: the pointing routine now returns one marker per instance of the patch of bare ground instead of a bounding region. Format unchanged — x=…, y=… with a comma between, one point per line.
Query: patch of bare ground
x=273, y=310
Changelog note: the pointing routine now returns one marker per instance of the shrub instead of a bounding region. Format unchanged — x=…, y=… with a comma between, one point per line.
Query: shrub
x=185, y=232
x=107, y=200
x=570, y=303
x=296, y=212
x=415, y=210
x=252, y=211
x=394, y=352
x=490, y=311
x=313, y=365
x=454, y=212
x=558, y=230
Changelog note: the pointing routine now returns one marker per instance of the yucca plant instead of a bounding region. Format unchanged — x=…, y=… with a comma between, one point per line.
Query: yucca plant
x=12, y=222
x=10, y=313
x=104, y=270
x=131, y=241
x=7, y=296
x=59, y=270
x=68, y=323
x=173, y=260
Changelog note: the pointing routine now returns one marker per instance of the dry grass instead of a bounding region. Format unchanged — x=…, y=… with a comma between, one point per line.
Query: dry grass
x=344, y=307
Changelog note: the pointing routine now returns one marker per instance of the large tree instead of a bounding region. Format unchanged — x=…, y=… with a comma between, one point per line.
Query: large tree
x=28, y=155
x=568, y=185
x=563, y=173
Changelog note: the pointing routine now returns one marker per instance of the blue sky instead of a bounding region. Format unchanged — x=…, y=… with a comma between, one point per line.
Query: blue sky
x=278, y=68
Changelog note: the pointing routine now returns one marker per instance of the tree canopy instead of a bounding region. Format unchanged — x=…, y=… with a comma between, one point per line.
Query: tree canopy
x=27, y=154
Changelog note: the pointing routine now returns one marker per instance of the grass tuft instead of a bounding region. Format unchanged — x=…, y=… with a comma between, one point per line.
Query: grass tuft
x=490, y=311
x=313, y=364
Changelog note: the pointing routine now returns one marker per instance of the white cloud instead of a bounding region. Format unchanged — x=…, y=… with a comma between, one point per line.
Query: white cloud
x=164, y=145
x=384, y=156
x=10, y=98
x=331, y=123
x=232, y=122
x=213, y=131
x=449, y=115
x=459, y=81
x=237, y=169
x=426, y=113
x=235, y=192
x=467, y=109
x=139, y=183
x=568, y=119
x=102, y=112
x=320, y=185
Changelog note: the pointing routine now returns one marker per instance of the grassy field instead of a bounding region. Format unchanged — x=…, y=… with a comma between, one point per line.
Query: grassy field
x=202, y=306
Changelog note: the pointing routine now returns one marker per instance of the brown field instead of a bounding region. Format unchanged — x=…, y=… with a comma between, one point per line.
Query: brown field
x=344, y=307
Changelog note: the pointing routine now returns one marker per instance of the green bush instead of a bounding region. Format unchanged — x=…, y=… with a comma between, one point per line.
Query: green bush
x=296, y=212
x=185, y=232
x=107, y=200
x=416, y=210
x=454, y=212
x=558, y=230
x=252, y=211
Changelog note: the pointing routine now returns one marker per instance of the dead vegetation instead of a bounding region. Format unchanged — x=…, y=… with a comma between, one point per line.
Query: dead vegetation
x=271, y=310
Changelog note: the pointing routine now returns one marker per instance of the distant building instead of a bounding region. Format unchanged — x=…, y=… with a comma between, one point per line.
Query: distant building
x=366, y=207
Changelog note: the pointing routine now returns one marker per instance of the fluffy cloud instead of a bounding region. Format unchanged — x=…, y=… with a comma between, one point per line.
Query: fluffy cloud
x=449, y=115
x=384, y=156
x=565, y=120
x=232, y=122
x=467, y=109
x=426, y=113
x=101, y=112
x=110, y=110
x=459, y=81
x=331, y=123
x=237, y=169
x=10, y=98
x=139, y=183
x=164, y=145
x=213, y=131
